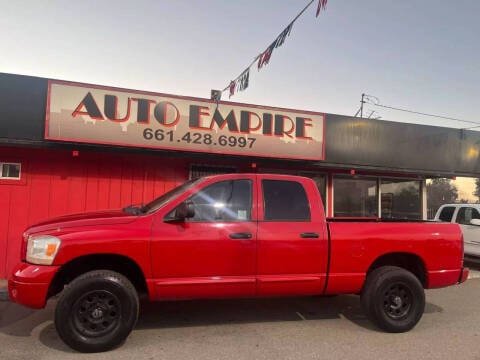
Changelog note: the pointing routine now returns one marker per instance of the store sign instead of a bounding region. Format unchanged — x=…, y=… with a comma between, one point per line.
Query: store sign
x=93, y=114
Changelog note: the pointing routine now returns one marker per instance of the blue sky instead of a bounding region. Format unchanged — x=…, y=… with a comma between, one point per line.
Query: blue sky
x=420, y=55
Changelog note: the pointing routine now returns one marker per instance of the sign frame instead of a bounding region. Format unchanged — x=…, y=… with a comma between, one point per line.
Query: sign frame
x=225, y=141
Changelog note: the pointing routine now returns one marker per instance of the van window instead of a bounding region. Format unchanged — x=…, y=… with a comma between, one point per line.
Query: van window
x=447, y=213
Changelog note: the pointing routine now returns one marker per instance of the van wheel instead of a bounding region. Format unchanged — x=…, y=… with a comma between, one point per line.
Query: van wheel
x=393, y=299
x=96, y=311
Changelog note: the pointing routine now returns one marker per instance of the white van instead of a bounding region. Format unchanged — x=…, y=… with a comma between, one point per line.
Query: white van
x=468, y=217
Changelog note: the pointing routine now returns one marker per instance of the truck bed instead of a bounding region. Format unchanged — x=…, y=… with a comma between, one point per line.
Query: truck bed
x=375, y=219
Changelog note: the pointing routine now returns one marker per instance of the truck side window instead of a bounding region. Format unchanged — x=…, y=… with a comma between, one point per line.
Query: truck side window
x=285, y=201
x=447, y=213
x=229, y=200
x=465, y=214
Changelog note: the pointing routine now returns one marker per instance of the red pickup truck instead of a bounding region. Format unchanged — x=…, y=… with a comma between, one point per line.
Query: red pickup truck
x=237, y=235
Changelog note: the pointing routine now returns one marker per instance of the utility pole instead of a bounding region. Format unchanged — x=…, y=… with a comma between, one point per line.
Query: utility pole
x=361, y=105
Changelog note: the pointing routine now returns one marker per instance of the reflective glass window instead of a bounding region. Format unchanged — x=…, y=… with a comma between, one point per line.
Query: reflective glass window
x=356, y=197
x=401, y=199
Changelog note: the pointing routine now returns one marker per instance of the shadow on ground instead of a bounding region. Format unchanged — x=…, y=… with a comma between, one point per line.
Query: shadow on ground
x=472, y=263
x=20, y=321
x=240, y=311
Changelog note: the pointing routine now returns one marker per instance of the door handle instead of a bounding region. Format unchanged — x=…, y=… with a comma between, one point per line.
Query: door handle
x=239, y=236
x=309, y=235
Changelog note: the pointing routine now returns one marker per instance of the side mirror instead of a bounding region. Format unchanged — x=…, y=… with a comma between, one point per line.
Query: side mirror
x=185, y=210
x=475, y=222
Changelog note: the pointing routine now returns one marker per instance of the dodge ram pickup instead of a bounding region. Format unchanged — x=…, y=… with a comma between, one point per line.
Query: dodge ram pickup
x=236, y=235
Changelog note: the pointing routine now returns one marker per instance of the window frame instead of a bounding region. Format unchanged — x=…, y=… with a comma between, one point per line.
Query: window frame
x=339, y=176
x=9, y=178
x=21, y=180
x=385, y=179
x=202, y=170
x=222, y=220
x=463, y=210
x=302, y=186
x=453, y=213
x=305, y=173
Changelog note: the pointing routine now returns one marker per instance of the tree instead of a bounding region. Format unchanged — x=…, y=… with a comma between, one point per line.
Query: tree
x=439, y=192
x=407, y=201
x=477, y=188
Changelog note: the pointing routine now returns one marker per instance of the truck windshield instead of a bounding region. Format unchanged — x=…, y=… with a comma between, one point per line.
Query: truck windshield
x=156, y=204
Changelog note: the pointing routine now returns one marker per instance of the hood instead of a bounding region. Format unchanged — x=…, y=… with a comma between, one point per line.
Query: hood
x=107, y=217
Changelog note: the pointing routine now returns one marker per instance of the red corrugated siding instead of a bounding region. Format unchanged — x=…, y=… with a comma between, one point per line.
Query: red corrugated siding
x=54, y=182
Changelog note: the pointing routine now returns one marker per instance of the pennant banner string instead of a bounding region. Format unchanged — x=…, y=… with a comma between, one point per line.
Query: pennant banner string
x=241, y=82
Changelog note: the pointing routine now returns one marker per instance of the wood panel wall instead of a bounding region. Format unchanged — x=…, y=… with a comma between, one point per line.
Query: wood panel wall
x=58, y=182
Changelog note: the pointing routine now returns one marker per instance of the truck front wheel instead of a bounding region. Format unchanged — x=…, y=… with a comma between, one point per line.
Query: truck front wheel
x=96, y=311
x=393, y=299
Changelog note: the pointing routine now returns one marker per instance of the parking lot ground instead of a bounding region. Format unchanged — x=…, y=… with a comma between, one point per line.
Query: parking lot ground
x=474, y=266
x=286, y=328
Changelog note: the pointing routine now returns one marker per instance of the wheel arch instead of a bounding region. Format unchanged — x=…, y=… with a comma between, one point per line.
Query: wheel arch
x=114, y=262
x=404, y=260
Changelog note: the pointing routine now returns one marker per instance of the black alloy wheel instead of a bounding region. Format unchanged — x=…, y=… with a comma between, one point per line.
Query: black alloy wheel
x=96, y=311
x=393, y=299
x=397, y=301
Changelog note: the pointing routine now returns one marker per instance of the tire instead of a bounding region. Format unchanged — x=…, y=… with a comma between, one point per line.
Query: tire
x=393, y=299
x=96, y=311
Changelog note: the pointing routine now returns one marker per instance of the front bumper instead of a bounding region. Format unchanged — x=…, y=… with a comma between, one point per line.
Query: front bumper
x=29, y=284
x=463, y=275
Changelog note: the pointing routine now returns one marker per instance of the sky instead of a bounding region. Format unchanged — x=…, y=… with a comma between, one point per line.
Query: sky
x=421, y=55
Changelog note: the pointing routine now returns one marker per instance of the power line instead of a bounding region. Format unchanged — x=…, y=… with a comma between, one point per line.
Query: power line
x=373, y=100
x=426, y=114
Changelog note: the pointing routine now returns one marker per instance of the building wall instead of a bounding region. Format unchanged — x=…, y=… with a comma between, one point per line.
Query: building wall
x=350, y=142
x=55, y=182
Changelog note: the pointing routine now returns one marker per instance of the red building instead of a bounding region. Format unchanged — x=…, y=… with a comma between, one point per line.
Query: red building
x=68, y=147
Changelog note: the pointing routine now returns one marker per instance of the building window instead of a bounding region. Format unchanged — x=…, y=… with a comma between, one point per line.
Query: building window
x=197, y=171
x=10, y=171
x=285, y=201
x=401, y=199
x=355, y=197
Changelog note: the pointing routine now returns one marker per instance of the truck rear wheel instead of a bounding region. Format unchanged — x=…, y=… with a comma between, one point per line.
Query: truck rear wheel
x=96, y=311
x=393, y=299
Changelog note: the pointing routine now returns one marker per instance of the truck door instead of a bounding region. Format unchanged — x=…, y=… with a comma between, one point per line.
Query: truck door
x=292, y=248
x=471, y=233
x=213, y=253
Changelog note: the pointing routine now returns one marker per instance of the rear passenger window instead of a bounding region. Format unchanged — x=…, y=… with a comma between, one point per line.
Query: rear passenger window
x=466, y=214
x=285, y=201
x=447, y=213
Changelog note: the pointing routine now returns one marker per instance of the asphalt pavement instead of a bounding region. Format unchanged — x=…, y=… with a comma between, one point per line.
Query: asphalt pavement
x=285, y=328
x=3, y=290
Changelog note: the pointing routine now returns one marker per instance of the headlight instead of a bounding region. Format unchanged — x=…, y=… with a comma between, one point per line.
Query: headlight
x=42, y=249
